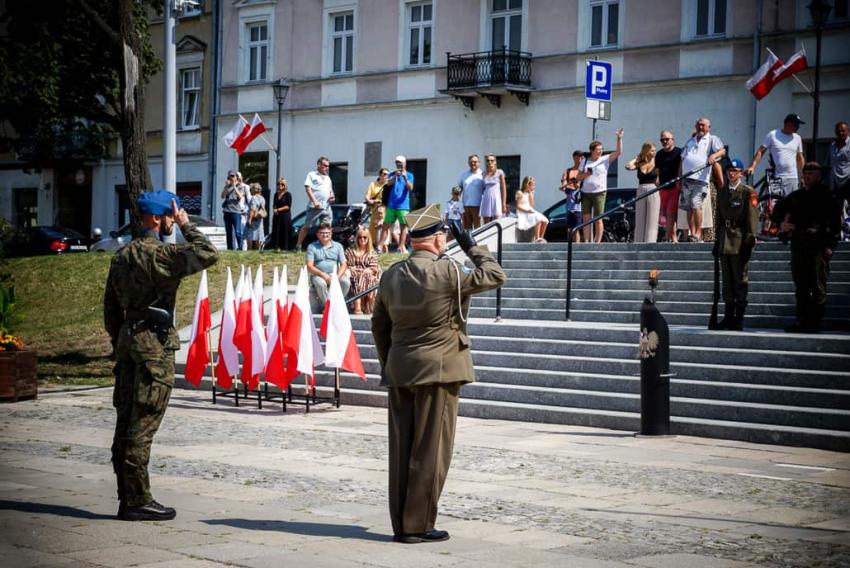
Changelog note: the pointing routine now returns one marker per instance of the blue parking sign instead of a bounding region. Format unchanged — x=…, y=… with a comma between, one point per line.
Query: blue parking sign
x=597, y=80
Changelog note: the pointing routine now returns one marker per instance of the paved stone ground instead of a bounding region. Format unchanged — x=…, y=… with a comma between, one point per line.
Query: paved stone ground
x=261, y=488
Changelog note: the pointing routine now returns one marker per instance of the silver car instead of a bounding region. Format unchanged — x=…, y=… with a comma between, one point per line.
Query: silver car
x=117, y=239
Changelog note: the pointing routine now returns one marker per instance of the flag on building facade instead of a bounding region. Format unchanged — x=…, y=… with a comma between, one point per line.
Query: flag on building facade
x=237, y=134
x=762, y=81
x=797, y=63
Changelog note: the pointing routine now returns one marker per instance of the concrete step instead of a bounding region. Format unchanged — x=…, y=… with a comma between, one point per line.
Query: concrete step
x=640, y=283
x=756, y=266
x=632, y=316
x=550, y=253
x=706, y=294
x=633, y=248
x=636, y=275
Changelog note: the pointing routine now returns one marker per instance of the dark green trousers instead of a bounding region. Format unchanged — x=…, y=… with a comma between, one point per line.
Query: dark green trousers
x=143, y=382
x=422, y=422
x=736, y=277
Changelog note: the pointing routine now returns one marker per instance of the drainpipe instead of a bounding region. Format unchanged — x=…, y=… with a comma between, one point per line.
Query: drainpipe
x=756, y=59
x=215, y=84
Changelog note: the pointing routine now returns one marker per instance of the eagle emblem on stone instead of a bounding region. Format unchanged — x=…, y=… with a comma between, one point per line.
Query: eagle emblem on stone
x=648, y=344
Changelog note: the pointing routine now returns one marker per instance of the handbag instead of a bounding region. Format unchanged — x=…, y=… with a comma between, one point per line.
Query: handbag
x=261, y=213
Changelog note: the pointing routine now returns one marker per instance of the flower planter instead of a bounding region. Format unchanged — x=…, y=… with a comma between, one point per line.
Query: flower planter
x=18, y=375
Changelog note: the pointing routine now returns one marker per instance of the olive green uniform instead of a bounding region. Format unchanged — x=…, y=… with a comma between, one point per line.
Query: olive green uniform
x=816, y=226
x=425, y=357
x=737, y=225
x=146, y=272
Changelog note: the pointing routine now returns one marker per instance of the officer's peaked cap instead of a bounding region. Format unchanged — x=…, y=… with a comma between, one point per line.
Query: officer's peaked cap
x=157, y=202
x=425, y=222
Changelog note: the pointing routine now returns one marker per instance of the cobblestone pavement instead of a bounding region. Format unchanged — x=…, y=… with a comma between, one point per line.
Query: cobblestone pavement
x=262, y=488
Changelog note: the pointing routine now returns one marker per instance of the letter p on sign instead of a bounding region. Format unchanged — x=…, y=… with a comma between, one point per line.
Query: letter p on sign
x=598, y=80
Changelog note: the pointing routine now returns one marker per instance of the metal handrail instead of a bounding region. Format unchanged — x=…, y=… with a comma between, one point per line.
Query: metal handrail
x=571, y=233
x=452, y=245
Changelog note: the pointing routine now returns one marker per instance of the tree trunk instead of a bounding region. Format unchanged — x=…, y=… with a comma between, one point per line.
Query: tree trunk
x=132, y=118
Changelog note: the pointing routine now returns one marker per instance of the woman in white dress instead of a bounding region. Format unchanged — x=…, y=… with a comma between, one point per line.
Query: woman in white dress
x=527, y=216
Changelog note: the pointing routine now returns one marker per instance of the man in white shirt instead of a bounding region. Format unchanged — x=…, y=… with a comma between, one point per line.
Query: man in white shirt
x=702, y=148
x=786, y=154
x=320, y=195
x=593, y=174
x=471, y=183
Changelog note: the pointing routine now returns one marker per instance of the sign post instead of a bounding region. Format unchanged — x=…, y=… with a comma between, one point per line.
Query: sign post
x=597, y=91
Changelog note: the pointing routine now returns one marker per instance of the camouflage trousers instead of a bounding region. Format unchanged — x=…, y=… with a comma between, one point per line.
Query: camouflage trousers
x=144, y=376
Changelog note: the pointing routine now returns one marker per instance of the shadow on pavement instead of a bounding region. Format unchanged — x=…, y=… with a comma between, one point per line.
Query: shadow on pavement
x=303, y=528
x=45, y=508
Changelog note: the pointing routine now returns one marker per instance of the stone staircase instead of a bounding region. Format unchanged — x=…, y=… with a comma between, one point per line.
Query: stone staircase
x=762, y=385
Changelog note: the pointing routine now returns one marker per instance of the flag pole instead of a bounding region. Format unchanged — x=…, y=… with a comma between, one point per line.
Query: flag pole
x=805, y=88
x=212, y=366
x=336, y=387
x=266, y=140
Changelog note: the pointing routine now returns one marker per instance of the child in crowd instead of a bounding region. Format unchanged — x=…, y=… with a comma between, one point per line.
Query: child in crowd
x=454, y=207
x=527, y=216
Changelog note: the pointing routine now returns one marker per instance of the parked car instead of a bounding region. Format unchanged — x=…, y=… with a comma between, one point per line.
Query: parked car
x=124, y=235
x=346, y=219
x=618, y=227
x=45, y=240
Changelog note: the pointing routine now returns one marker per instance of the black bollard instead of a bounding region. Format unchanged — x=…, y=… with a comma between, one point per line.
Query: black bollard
x=654, y=372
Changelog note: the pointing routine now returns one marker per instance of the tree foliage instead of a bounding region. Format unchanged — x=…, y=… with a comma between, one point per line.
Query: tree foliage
x=72, y=77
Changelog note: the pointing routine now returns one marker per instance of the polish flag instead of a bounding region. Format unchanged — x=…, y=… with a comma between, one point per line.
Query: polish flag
x=255, y=129
x=242, y=336
x=796, y=64
x=300, y=340
x=199, y=345
x=234, y=138
x=274, y=371
x=341, y=350
x=258, y=333
x=762, y=82
x=228, y=356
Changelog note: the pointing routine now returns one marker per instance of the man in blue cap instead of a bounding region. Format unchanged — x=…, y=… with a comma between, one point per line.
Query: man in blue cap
x=737, y=225
x=138, y=308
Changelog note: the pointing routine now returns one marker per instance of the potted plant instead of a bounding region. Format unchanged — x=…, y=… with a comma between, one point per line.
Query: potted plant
x=18, y=378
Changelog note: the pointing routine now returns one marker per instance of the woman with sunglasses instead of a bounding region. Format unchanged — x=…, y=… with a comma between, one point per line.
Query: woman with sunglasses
x=282, y=209
x=365, y=272
x=374, y=199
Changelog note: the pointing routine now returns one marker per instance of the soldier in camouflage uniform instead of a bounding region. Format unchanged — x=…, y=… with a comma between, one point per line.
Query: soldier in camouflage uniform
x=810, y=218
x=737, y=224
x=138, y=307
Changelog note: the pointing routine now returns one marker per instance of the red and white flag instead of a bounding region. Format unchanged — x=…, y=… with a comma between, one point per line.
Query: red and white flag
x=300, y=340
x=258, y=332
x=341, y=351
x=242, y=336
x=234, y=138
x=274, y=333
x=257, y=128
x=794, y=65
x=198, y=356
x=762, y=82
x=228, y=356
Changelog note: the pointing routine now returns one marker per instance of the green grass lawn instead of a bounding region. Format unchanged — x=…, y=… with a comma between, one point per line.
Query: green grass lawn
x=59, y=306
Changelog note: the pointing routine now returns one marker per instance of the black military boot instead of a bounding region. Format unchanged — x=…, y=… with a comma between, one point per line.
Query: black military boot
x=153, y=511
x=799, y=325
x=814, y=320
x=738, y=322
x=728, y=317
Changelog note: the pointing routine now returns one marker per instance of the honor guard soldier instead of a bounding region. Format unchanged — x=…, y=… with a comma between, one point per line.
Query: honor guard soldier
x=138, y=308
x=810, y=218
x=419, y=326
x=737, y=225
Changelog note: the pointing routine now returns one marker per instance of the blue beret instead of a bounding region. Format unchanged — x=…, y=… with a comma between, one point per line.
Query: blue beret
x=737, y=164
x=157, y=202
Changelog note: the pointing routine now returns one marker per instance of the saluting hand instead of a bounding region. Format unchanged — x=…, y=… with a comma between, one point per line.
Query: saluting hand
x=180, y=215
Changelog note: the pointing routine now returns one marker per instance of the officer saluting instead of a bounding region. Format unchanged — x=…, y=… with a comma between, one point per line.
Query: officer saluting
x=419, y=325
x=737, y=224
x=138, y=308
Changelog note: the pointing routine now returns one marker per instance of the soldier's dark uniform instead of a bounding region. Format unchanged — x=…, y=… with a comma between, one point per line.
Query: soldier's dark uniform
x=816, y=227
x=146, y=272
x=737, y=225
x=424, y=351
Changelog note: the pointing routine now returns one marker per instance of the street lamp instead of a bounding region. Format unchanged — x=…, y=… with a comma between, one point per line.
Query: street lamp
x=819, y=10
x=281, y=89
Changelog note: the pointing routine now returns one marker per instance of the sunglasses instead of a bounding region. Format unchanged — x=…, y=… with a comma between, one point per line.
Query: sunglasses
x=666, y=139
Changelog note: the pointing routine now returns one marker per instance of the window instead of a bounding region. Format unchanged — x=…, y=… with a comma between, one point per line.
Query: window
x=604, y=23
x=338, y=172
x=190, y=9
x=342, y=42
x=840, y=10
x=419, y=22
x=255, y=168
x=506, y=24
x=190, y=98
x=258, y=51
x=26, y=207
x=419, y=195
x=511, y=166
x=711, y=18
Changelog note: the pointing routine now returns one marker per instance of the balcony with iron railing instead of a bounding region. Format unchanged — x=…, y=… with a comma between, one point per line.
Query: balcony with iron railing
x=490, y=74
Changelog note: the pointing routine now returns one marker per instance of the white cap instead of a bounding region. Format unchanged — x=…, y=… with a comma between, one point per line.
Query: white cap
x=401, y=159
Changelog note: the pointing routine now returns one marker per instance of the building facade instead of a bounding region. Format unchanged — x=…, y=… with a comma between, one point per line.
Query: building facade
x=370, y=80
